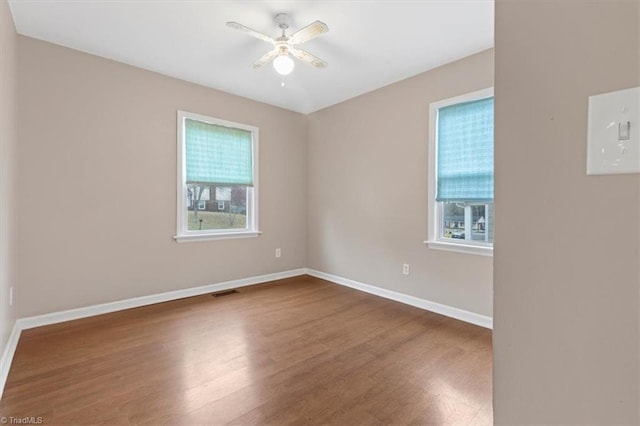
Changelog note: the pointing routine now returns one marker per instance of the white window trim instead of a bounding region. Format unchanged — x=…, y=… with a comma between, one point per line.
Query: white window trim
x=434, y=241
x=182, y=233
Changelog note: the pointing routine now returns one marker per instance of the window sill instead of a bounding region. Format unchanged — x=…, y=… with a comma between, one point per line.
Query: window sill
x=461, y=248
x=217, y=236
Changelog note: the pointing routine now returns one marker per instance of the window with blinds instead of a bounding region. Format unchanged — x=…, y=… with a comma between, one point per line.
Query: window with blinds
x=217, y=178
x=465, y=152
x=218, y=155
x=462, y=171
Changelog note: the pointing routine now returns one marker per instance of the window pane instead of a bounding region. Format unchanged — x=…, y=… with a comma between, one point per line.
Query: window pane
x=453, y=220
x=217, y=207
x=479, y=222
x=479, y=216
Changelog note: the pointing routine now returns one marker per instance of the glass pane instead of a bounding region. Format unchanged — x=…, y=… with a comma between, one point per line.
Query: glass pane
x=453, y=220
x=214, y=207
x=456, y=215
x=479, y=222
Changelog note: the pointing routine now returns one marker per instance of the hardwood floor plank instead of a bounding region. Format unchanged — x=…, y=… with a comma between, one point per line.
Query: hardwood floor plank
x=295, y=351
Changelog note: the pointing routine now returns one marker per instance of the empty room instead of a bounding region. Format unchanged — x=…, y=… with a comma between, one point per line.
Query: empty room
x=320, y=212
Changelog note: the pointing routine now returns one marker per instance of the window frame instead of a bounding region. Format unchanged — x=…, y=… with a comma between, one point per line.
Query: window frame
x=435, y=211
x=183, y=234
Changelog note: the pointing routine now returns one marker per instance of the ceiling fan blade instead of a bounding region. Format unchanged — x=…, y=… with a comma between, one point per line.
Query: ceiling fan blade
x=309, y=32
x=308, y=58
x=256, y=34
x=264, y=59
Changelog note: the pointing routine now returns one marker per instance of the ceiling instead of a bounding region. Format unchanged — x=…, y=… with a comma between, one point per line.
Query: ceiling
x=370, y=44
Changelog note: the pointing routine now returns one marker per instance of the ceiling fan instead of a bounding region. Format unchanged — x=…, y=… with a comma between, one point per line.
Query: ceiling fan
x=284, y=45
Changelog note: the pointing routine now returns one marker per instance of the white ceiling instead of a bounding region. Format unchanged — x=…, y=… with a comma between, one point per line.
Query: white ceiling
x=370, y=44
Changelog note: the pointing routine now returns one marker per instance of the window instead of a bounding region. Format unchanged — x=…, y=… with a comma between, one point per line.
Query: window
x=216, y=158
x=461, y=173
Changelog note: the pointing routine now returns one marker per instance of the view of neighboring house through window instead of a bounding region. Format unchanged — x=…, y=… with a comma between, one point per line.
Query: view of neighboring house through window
x=461, y=170
x=217, y=178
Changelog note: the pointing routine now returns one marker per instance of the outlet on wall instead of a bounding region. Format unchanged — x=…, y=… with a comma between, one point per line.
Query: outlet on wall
x=405, y=268
x=278, y=252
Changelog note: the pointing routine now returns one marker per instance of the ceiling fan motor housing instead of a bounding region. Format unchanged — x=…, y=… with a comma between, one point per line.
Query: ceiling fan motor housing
x=283, y=20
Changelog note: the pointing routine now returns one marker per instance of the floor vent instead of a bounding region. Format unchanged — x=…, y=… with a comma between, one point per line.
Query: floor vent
x=224, y=293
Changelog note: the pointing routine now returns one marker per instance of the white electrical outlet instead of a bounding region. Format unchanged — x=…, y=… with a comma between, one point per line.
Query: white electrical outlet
x=10, y=296
x=405, y=269
x=278, y=252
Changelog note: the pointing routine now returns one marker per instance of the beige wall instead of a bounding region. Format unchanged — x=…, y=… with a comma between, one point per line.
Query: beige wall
x=8, y=170
x=97, y=186
x=567, y=249
x=367, y=193
x=97, y=183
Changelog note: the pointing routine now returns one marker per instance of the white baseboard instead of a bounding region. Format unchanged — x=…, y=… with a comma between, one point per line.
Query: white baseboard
x=7, y=355
x=105, y=308
x=89, y=311
x=438, y=308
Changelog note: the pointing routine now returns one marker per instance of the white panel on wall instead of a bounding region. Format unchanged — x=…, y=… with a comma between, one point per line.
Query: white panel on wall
x=613, y=133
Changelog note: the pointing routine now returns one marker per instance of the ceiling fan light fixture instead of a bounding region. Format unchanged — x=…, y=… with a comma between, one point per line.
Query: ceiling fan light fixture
x=285, y=45
x=283, y=64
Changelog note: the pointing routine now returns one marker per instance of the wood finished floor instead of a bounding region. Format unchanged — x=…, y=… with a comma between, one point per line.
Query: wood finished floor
x=295, y=351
